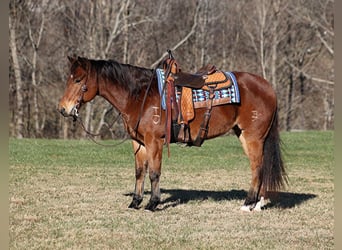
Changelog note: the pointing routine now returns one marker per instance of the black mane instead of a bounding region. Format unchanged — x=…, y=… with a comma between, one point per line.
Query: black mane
x=133, y=78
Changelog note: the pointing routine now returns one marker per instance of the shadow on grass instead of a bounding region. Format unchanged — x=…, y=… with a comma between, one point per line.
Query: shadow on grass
x=181, y=196
x=287, y=200
x=283, y=200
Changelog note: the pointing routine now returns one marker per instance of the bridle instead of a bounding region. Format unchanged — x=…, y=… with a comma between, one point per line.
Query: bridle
x=83, y=89
x=170, y=68
x=79, y=101
x=77, y=117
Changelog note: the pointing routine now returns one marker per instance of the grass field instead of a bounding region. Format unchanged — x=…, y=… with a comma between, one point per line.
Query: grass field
x=74, y=195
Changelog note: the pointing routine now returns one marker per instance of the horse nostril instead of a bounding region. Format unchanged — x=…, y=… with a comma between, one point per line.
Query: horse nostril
x=62, y=111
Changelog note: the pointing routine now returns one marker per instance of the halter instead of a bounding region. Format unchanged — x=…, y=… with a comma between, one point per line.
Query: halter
x=83, y=89
x=76, y=116
x=79, y=100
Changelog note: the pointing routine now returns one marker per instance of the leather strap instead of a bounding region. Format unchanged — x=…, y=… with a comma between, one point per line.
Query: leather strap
x=203, y=132
x=169, y=89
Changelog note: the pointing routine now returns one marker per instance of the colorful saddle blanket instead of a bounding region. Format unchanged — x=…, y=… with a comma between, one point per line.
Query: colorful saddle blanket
x=200, y=96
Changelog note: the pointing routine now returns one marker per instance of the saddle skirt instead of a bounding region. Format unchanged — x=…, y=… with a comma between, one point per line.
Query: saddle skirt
x=225, y=92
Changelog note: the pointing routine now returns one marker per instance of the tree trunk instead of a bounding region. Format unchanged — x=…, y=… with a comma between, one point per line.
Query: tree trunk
x=203, y=35
x=289, y=100
x=126, y=34
x=35, y=83
x=19, y=127
x=35, y=93
x=65, y=129
x=274, y=45
x=261, y=8
x=92, y=53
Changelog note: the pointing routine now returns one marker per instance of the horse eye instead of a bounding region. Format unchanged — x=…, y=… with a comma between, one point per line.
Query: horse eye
x=77, y=80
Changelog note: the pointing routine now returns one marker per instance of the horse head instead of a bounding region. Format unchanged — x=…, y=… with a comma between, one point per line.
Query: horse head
x=81, y=87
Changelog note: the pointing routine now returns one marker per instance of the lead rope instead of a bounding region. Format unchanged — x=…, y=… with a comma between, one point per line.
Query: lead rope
x=79, y=119
x=92, y=135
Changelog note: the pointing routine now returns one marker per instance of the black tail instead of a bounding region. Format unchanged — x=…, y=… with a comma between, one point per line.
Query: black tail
x=273, y=175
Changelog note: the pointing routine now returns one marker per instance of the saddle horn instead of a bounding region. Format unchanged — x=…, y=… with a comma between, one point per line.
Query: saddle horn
x=170, y=54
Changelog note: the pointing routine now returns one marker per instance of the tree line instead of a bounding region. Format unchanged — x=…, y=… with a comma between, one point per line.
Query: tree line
x=290, y=43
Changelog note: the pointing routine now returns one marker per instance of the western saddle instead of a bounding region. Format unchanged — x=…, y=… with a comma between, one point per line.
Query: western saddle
x=180, y=111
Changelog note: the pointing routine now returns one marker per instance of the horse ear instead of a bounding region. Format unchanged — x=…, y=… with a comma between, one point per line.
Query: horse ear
x=71, y=59
x=83, y=62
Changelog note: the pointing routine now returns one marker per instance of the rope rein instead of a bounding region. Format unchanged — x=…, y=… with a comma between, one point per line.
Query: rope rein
x=91, y=135
x=84, y=89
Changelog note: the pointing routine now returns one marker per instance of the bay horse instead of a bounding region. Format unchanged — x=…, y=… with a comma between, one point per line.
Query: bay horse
x=133, y=91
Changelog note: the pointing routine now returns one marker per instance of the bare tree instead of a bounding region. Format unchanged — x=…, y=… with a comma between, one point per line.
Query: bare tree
x=290, y=43
x=310, y=59
x=14, y=20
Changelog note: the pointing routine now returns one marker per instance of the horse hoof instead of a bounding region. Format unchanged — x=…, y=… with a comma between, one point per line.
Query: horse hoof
x=258, y=206
x=133, y=206
x=135, y=203
x=152, y=205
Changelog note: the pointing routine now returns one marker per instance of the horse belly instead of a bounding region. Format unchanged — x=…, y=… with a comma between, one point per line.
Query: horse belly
x=222, y=119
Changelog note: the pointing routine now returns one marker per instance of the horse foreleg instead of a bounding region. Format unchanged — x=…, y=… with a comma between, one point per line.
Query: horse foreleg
x=253, y=149
x=154, y=159
x=141, y=165
x=155, y=190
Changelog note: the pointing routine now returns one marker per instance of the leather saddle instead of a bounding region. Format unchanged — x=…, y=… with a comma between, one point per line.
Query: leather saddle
x=205, y=78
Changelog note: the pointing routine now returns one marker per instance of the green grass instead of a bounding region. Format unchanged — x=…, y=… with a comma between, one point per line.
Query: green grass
x=74, y=195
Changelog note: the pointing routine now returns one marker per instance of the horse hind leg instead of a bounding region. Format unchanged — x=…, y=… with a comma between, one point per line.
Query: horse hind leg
x=268, y=170
x=253, y=148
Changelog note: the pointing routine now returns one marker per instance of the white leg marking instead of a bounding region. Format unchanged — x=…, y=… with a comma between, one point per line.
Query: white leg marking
x=244, y=144
x=245, y=208
x=258, y=207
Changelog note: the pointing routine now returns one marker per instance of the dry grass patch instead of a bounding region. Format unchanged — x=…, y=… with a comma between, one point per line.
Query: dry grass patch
x=84, y=206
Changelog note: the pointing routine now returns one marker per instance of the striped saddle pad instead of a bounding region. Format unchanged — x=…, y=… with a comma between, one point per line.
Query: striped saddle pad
x=227, y=95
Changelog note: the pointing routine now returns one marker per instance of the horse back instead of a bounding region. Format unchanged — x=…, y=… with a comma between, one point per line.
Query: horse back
x=253, y=113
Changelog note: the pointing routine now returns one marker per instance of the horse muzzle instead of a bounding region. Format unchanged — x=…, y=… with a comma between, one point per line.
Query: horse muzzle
x=63, y=112
x=73, y=112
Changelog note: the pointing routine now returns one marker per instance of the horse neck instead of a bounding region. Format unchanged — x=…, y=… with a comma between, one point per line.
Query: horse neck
x=114, y=94
x=124, y=86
